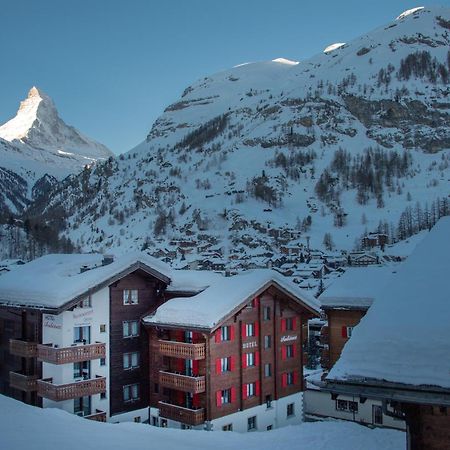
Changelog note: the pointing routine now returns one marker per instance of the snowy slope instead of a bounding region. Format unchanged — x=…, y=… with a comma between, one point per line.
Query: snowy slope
x=23, y=426
x=242, y=151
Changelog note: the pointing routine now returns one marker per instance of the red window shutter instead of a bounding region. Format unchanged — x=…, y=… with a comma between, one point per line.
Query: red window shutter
x=256, y=328
x=256, y=302
x=233, y=394
x=296, y=377
x=257, y=359
x=231, y=332
x=244, y=360
x=219, y=398
x=196, y=400
x=257, y=388
x=196, y=337
x=344, y=332
x=244, y=391
x=244, y=330
x=233, y=363
x=283, y=352
x=218, y=366
x=180, y=336
x=294, y=323
x=283, y=325
x=217, y=336
x=294, y=350
x=195, y=367
x=180, y=365
x=284, y=380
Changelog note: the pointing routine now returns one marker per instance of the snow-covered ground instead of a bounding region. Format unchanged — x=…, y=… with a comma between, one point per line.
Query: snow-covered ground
x=25, y=427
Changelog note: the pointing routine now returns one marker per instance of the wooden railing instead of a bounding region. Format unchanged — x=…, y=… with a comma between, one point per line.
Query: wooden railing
x=324, y=335
x=22, y=348
x=188, y=416
x=185, y=383
x=72, y=354
x=99, y=416
x=26, y=383
x=59, y=392
x=182, y=350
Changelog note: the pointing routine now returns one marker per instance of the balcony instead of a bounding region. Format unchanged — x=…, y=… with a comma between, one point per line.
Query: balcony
x=26, y=383
x=185, y=383
x=99, y=416
x=72, y=354
x=23, y=348
x=187, y=416
x=60, y=392
x=182, y=350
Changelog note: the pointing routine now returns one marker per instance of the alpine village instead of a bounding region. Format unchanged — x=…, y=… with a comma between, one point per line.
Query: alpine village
x=273, y=257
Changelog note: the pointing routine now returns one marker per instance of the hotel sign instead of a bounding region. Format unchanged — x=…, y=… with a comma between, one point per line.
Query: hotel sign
x=287, y=338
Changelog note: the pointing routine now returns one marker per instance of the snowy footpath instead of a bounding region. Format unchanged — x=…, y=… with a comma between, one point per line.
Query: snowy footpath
x=24, y=427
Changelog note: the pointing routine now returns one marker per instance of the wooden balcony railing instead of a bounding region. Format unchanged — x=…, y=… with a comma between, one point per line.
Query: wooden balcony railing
x=72, y=354
x=59, y=392
x=182, y=350
x=185, y=383
x=99, y=416
x=188, y=416
x=26, y=383
x=22, y=348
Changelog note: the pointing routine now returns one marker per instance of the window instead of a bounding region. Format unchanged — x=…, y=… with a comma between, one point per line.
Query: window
x=289, y=323
x=251, y=389
x=226, y=396
x=82, y=370
x=155, y=421
x=290, y=410
x=249, y=329
x=103, y=328
x=225, y=364
x=377, y=415
x=267, y=341
x=269, y=427
x=228, y=427
x=267, y=370
x=102, y=395
x=131, y=360
x=103, y=361
x=289, y=378
x=346, y=405
x=225, y=334
x=251, y=423
x=266, y=313
x=82, y=335
x=137, y=419
x=130, y=328
x=250, y=358
x=163, y=423
x=130, y=297
x=130, y=392
x=86, y=303
x=82, y=406
x=269, y=401
x=349, y=331
x=290, y=351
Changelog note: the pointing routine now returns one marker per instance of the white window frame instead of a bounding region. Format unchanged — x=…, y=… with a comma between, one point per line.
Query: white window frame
x=250, y=359
x=225, y=364
x=131, y=392
x=225, y=333
x=349, y=331
x=226, y=396
x=267, y=370
x=251, y=423
x=130, y=328
x=251, y=389
x=267, y=341
x=250, y=329
x=130, y=296
x=290, y=406
x=131, y=360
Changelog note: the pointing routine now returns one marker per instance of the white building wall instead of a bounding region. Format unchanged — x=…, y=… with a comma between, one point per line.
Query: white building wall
x=59, y=330
x=320, y=403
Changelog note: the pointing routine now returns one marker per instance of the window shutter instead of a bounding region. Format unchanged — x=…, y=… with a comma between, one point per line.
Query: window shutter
x=256, y=302
x=218, y=366
x=196, y=400
x=233, y=394
x=233, y=363
x=296, y=377
x=244, y=331
x=231, y=332
x=217, y=336
x=257, y=387
x=219, y=398
x=256, y=328
x=283, y=325
x=244, y=391
x=283, y=352
x=195, y=367
x=180, y=365
x=344, y=332
x=256, y=358
x=195, y=337
x=294, y=350
x=244, y=360
x=284, y=380
x=294, y=323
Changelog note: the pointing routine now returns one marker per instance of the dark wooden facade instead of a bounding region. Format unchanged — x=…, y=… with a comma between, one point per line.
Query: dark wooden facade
x=266, y=387
x=149, y=297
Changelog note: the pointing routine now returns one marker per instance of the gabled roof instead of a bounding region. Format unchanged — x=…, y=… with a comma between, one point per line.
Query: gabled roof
x=224, y=298
x=405, y=336
x=357, y=287
x=54, y=281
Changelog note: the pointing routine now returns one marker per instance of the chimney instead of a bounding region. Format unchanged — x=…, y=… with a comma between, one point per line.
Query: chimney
x=107, y=259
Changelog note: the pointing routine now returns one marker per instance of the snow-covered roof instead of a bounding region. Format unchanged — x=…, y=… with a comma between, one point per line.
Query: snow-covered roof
x=192, y=280
x=207, y=309
x=357, y=287
x=54, y=280
x=405, y=336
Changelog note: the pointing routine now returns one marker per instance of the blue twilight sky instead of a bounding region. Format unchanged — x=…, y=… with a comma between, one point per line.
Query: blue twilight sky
x=113, y=66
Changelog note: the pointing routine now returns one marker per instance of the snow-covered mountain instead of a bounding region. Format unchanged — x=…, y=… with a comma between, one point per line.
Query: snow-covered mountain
x=332, y=144
x=37, y=144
